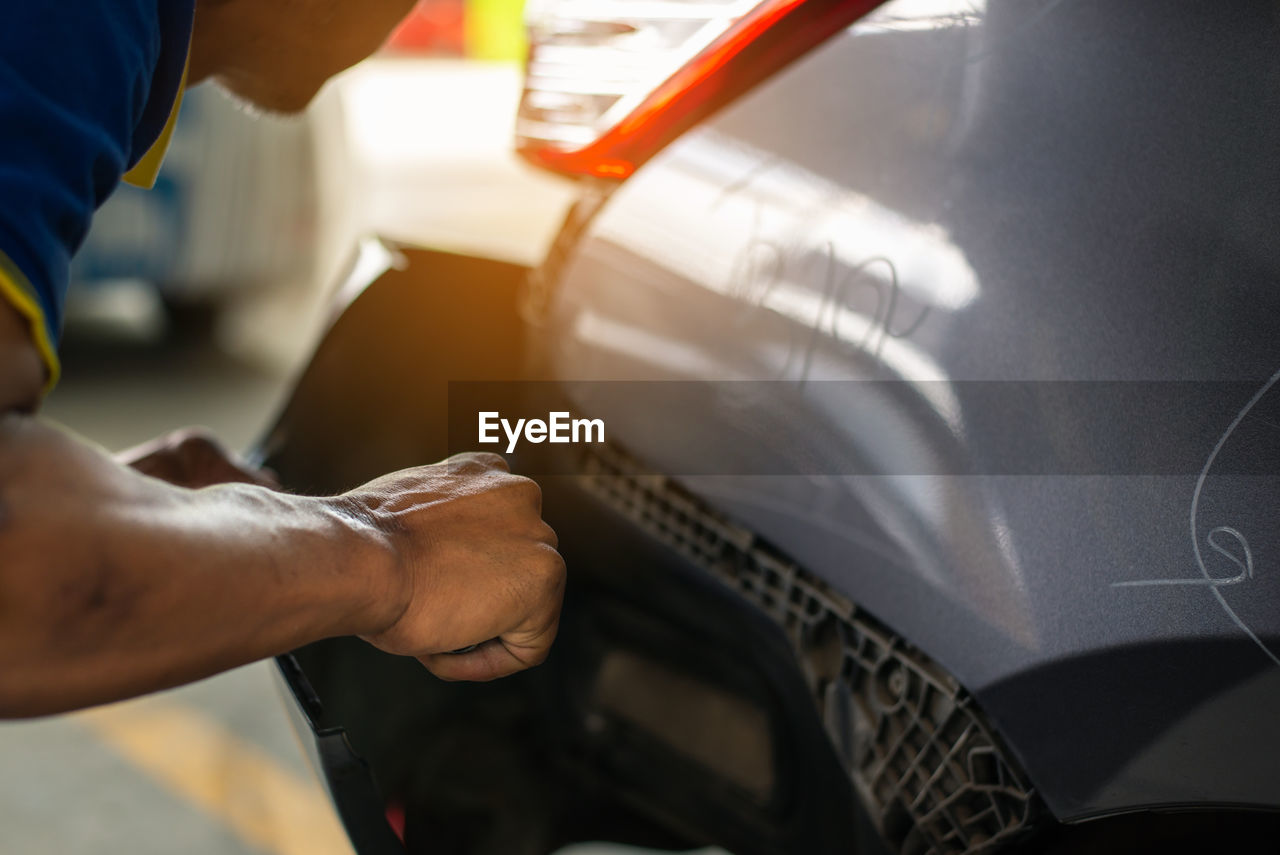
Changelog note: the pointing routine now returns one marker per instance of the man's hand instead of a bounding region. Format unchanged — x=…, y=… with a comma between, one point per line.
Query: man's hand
x=475, y=563
x=477, y=566
x=193, y=458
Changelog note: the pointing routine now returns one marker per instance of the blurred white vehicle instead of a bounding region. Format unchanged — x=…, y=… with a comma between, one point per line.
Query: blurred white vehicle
x=234, y=208
x=254, y=217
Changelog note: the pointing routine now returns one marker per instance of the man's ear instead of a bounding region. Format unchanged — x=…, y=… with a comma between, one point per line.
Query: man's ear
x=22, y=371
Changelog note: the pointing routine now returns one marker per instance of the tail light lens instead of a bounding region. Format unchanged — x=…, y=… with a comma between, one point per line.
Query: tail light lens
x=610, y=82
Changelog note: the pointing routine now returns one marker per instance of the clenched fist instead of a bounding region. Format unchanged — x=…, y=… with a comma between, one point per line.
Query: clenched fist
x=474, y=564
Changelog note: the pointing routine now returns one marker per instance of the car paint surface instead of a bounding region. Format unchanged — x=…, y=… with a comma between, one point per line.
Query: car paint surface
x=950, y=193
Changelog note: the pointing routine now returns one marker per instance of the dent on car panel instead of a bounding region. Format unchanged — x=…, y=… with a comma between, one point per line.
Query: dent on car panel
x=1036, y=192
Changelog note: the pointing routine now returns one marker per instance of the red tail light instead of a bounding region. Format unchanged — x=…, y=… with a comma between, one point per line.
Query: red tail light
x=755, y=46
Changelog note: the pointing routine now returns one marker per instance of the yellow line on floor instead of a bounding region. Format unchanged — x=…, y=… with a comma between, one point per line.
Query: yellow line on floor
x=196, y=757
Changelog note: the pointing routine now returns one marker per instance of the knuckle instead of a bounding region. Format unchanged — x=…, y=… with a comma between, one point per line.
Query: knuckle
x=526, y=490
x=482, y=460
x=465, y=465
x=546, y=534
x=550, y=572
x=494, y=461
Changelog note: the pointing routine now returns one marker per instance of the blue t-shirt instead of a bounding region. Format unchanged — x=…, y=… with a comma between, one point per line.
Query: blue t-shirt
x=87, y=87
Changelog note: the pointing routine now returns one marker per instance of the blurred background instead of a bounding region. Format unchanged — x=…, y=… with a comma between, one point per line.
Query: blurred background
x=253, y=217
x=195, y=303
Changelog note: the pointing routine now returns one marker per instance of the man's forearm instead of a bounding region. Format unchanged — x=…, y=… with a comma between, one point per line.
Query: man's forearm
x=113, y=584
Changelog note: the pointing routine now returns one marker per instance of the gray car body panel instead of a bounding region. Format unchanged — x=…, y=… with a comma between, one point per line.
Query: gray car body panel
x=1030, y=191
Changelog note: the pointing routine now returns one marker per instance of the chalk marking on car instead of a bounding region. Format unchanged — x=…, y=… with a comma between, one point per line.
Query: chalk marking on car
x=1213, y=583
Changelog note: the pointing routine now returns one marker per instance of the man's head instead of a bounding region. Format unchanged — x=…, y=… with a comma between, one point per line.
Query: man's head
x=276, y=54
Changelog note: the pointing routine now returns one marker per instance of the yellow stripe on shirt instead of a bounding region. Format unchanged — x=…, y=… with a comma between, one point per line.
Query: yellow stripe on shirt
x=18, y=291
x=146, y=170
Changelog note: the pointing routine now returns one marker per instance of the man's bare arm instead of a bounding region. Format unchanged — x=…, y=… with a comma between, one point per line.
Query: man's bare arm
x=114, y=584
x=21, y=369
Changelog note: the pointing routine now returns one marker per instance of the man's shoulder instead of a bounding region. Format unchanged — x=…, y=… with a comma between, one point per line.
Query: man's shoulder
x=86, y=87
